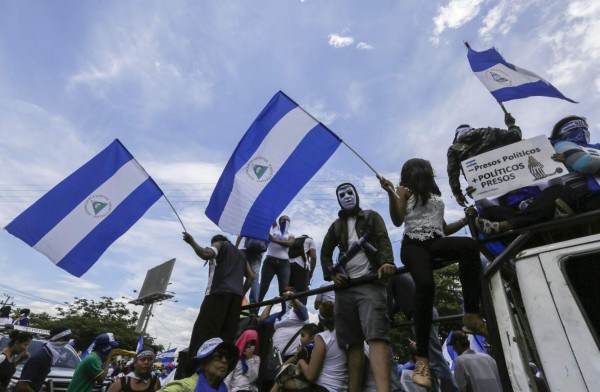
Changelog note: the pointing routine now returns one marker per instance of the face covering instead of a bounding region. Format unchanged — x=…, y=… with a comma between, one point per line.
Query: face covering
x=347, y=197
x=579, y=136
x=55, y=348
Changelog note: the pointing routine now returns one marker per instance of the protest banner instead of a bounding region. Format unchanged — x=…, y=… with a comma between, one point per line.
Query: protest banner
x=517, y=165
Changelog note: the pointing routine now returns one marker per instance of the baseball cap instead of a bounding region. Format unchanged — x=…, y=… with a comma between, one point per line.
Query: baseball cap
x=212, y=345
x=106, y=339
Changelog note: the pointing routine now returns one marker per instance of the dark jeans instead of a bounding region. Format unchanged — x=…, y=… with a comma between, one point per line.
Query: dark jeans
x=541, y=208
x=273, y=266
x=418, y=257
x=255, y=288
x=219, y=316
x=299, y=279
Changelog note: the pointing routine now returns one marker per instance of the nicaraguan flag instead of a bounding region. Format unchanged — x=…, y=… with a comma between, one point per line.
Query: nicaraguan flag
x=166, y=356
x=77, y=220
x=140, y=344
x=507, y=81
x=88, y=351
x=476, y=342
x=278, y=155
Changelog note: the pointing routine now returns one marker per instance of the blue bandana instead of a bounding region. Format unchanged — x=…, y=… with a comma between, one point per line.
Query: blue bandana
x=579, y=136
x=203, y=386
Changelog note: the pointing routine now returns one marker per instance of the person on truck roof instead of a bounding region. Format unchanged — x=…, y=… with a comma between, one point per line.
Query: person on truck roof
x=469, y=142
x=579, y=190
x=571, y=140
x=417, y=204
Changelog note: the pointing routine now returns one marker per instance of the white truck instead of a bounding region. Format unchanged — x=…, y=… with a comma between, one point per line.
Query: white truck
x=541, y=297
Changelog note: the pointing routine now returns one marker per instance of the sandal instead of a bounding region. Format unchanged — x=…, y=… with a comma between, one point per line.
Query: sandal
x=473, y=324
x=487, y=227
x=421, y=374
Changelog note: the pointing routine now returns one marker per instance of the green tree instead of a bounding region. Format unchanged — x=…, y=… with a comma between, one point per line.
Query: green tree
x=448, y=301
x=88, y=318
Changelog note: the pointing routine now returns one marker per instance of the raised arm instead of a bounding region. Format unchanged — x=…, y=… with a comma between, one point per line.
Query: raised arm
x=397, y=201
x=203, y=253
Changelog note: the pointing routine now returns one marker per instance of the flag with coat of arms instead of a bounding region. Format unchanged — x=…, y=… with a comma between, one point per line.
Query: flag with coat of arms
x=76, y=221
x=507, y=81
x=281, y=151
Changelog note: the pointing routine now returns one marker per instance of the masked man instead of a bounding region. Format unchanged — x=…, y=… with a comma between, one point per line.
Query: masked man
x=277, y=261
x=38, y=367
x=360, y=311
x=94, y=367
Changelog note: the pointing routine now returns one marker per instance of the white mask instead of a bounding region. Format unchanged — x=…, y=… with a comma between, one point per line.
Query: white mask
x=347, y=197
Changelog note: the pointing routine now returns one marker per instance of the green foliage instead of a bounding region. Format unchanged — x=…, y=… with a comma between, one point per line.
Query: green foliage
x=88, y=319
x=448, y=301
x=448, y=298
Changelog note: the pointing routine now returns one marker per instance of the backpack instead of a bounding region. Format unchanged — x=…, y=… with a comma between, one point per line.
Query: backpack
x=297, y=248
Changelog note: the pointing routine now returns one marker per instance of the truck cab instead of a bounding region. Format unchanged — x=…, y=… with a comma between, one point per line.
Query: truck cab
x=541, y=297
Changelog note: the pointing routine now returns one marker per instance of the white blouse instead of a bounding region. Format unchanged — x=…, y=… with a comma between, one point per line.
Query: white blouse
x=423, y=222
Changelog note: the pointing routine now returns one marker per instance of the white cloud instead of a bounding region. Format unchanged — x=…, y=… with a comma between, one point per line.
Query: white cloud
x=318, y=109
x=364, y=46
x=501, y=18
x=338, y=41
x=452, y=16
x=575, y=45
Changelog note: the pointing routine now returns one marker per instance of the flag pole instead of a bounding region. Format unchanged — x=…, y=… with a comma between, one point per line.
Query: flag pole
x=173, y=208
x=161, y=191
x=503, y=108
x=379, y=176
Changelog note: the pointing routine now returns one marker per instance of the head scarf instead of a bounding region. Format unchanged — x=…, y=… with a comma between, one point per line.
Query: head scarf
x=243, y=340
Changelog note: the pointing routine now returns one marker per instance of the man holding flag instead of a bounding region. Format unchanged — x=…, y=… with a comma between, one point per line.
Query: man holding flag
x=469, y=142
x=219, y=314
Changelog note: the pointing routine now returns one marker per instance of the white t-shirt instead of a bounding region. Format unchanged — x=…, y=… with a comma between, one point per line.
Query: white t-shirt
x=358, y=265
x=309, y=244
x=334, y=374
x=327, y=296
x=276, y=250
x=285, y=328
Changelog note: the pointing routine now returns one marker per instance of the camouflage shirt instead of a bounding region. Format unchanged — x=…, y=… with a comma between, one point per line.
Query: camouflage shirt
x=475, y=142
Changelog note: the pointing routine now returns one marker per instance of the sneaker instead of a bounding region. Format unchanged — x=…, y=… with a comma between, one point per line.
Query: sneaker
x=487, y=227
x=421, y=374
x=473, y=324
x=562, y=209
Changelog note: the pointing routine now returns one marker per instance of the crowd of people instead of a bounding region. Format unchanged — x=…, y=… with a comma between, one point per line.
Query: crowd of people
x=349, y=348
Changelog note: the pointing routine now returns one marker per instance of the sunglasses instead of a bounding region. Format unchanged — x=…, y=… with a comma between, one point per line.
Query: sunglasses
x=219, y=356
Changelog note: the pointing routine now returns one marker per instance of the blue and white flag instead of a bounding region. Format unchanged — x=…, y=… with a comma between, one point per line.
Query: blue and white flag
x=166, y=356
x=140, y=344
x=278, y=155
x=476, y=342
x=77, y=220
x=507, y=81
x=88, y=351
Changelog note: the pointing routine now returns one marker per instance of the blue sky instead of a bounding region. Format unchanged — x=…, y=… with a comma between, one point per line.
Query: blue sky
x=179, y=82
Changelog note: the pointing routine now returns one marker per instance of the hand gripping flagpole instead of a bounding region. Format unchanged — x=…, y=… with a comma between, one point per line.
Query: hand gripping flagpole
x=499, y=103
x=379, y=176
